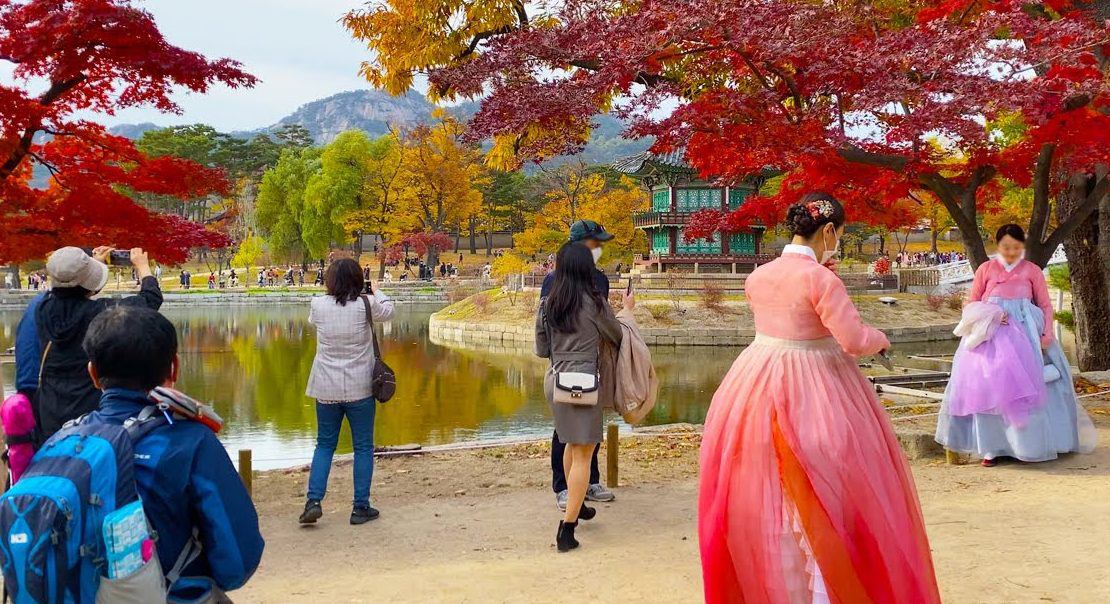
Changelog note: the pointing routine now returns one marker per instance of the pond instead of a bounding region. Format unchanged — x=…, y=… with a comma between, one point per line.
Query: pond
x=252, y=364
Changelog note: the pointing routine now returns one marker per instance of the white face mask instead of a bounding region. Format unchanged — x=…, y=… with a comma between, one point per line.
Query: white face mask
x=597, y=254
x=828, y=254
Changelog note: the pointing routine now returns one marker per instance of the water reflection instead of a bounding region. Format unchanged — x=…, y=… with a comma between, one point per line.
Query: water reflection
x=253, y=364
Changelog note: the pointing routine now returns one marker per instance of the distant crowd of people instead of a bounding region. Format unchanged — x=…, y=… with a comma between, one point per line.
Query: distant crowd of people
x=907, y=259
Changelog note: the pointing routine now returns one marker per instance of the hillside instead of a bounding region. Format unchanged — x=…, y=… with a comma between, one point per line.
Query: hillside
x=373, y=111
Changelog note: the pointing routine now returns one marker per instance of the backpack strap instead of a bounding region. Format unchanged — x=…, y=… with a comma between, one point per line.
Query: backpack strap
x=189, y=553
x=151, y=417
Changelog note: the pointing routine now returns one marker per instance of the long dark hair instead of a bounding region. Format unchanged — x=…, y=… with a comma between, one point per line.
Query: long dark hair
x=573, y=282
x=344, y=281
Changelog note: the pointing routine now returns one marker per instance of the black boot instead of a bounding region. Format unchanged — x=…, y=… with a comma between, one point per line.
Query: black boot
x=586, y=512
x=312, y=512
x=564, y=539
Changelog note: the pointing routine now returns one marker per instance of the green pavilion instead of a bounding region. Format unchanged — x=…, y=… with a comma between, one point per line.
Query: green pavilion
x=677, y=192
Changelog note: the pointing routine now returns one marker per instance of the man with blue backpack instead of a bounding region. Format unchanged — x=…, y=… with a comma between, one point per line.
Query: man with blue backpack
x=71, y=529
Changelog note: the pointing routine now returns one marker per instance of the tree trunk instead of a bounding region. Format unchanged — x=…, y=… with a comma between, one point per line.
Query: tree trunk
x=17, y=282
x=1088, y=251
x=473, y=241
x=933, y=236
x=356, y=247
x=489, y=241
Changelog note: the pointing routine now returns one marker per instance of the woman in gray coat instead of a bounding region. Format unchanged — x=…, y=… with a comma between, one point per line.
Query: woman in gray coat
x=573, y=321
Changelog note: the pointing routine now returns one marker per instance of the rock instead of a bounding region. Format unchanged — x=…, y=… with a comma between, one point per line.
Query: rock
x=460, y=492
x=918, y=444
x=1096, y=377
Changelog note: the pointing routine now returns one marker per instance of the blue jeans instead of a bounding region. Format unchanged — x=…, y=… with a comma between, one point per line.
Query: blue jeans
x=329, y=420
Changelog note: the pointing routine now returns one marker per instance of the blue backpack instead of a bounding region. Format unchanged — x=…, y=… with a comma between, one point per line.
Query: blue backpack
x=51, y=545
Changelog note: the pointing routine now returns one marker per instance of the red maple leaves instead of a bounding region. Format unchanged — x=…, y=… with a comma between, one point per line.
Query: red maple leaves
x=844, y=97
x=71, y=57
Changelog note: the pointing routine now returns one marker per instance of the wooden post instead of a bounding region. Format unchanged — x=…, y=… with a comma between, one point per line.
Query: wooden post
x=612, y=445
x=246, y=471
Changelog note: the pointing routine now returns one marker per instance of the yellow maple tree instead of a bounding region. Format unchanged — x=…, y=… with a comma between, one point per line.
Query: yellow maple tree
x=440, y=178
x=588, y=197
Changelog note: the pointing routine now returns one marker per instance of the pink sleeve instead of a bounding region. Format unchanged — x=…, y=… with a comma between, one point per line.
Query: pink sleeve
x=979, y=284
x=1043, y=301
x=840, y=317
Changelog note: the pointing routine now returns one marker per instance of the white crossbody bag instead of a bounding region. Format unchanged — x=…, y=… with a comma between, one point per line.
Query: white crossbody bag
x=576, y=388
x=573, y=387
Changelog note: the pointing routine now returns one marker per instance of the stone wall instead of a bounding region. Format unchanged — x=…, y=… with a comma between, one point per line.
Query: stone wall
x=495, y=336
x=17, y=300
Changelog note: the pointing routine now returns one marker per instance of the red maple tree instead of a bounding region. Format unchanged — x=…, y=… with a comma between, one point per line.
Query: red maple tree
x=70, y=59
x=878, y=103
x=843, y=97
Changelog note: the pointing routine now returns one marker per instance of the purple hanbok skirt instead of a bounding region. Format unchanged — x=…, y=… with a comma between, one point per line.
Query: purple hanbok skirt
x=1002, y=375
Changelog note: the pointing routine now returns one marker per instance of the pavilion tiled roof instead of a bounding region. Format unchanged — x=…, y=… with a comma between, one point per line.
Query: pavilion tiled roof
x=672, y=161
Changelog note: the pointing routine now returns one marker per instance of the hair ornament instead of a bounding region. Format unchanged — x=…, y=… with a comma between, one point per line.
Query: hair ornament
x=821, y=208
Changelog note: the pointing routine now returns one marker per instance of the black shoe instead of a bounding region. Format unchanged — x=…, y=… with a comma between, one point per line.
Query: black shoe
x=586, y=512
x=564, y=539
x=312, y=512
x=362, y=515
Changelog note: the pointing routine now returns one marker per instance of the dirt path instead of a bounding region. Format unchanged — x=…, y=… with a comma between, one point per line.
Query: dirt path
x=479, y=527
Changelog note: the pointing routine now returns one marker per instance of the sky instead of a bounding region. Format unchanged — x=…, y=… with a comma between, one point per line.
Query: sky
x=297, y=48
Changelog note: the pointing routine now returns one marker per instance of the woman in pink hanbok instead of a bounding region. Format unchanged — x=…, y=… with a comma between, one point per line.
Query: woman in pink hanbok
x=805, y=495
x=1011, y=392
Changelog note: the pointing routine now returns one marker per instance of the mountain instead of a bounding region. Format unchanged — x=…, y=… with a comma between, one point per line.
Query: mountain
x=133, y=131
x=374, y=111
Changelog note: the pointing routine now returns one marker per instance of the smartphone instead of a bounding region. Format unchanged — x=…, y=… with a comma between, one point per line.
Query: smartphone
x=628, y=292
x=119, y=258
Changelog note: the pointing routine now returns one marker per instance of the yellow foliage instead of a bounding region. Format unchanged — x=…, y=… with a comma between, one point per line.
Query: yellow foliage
x=407, y=37
x=592, y=198
x=440, y=176
x=509, y=264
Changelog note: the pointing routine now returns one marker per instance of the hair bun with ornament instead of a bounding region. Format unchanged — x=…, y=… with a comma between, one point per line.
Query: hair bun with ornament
x=812, y=212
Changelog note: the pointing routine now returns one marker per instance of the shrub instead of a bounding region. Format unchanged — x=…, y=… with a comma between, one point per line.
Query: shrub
x=1059, y=277
x=531, y=300
x=458, y=293
x=1066, y=318
x=712, y=297
x=481, y=303
x=935, y=302
x=675, y=281
x=659, y=312
x=881, y=267
x=955, y=301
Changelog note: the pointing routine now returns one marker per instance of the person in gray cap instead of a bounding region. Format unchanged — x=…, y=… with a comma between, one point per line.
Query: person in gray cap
x=51, y=333
x=593, y=236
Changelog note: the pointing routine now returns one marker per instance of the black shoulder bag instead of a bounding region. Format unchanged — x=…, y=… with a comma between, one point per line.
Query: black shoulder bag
x=383, y=381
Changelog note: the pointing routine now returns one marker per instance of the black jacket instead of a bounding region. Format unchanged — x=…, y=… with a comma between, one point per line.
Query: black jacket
x=65, y=389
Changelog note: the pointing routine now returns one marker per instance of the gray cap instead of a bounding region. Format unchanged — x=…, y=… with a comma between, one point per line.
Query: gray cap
x=72, y=267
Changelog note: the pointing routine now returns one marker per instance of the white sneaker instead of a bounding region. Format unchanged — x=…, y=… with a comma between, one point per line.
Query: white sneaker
x=561, y=500
x=598, y=492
